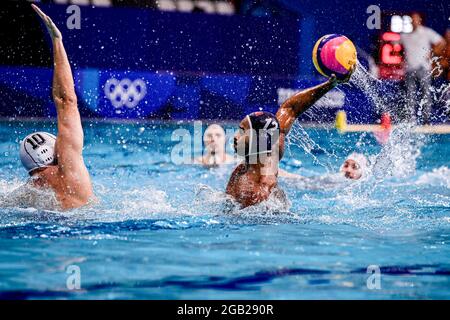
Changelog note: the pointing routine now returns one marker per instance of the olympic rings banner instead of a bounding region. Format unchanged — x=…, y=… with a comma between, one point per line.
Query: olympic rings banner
x=163, y=95
x=26, y=92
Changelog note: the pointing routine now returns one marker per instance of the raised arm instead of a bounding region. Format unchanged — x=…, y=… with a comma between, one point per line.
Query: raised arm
x=293, y=107
x=69, y=142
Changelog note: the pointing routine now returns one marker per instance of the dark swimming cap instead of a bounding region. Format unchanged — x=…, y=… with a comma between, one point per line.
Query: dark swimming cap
x=264, y=126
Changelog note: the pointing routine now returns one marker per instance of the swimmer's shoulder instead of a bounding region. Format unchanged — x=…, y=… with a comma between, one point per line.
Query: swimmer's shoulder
x=41, y=181
x=237, y=173
x=240, y=169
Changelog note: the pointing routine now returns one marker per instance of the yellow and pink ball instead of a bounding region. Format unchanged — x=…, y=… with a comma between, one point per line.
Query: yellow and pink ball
x=334, y=54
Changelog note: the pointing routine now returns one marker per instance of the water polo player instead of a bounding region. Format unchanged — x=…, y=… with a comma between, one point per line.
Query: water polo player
x=355, y=166
x=214, y=153
x=260, y=141
x=57, y=162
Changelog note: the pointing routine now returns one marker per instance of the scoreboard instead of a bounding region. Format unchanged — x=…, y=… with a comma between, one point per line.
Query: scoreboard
x=390, y=49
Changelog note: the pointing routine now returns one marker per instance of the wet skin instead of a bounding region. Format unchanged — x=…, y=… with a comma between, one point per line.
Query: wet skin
x=69, y=179
x=351, y=169
x=251, y=184
x=214, y=153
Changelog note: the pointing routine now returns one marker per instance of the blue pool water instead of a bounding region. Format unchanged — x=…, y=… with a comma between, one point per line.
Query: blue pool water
x=159, y=231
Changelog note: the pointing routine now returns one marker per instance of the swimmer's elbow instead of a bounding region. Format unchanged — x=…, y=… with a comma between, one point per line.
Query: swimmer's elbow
x=65, y=100
x=70, y=99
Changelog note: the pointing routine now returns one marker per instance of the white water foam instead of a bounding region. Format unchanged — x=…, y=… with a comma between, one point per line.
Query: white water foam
x=398, y=157
x=438, y=177
x=23, y=203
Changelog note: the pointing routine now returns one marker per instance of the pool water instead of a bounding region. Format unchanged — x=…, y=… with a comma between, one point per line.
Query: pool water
x=160, y=231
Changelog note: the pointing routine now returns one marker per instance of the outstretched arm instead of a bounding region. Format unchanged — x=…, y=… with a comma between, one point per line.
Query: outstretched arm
x=69, y=142
x=293, y=107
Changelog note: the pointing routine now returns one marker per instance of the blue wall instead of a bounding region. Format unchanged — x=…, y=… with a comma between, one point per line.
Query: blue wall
x=163, y=95
x=112, y=38
x=192, y=65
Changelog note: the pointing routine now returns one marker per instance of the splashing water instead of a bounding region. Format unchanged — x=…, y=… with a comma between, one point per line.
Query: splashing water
x=300, y=138
x=441, y=95
x=372, y=87
x=437, y=177
x=160, y=226
x=399, y=155
x=394, y=162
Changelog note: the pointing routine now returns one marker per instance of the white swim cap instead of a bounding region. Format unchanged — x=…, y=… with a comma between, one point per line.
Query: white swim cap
x=361, y=160
x=37, y=150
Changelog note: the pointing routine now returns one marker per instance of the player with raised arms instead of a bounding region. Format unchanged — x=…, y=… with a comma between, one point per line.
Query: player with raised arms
x=261, y=135
x=56, y=163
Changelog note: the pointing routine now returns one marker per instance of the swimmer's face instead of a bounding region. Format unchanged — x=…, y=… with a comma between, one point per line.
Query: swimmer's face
x=214, y=138
x=241, y=138
x=351, y=169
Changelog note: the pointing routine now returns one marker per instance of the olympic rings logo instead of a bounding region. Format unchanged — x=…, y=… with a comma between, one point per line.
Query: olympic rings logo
x=125, y=93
